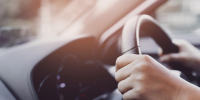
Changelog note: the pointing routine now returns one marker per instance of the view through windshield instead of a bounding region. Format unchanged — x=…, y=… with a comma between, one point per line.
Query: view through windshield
x=24, y=20
x=180, y=16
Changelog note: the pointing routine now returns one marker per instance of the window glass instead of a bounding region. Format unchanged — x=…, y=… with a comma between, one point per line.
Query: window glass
x=180, y=16
x=18, y=21
x=24, y=20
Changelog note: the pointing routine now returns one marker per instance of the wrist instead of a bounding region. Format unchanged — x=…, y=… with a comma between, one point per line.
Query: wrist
x=188, y=91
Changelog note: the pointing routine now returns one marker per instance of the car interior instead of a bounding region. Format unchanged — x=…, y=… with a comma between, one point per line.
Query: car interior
x=78, y=63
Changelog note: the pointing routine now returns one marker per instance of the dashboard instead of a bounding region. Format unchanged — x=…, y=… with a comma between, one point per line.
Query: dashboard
x=5, y=94
x=72, y=72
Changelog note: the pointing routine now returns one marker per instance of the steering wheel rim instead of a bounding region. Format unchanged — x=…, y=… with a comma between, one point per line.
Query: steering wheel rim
x=130, y=40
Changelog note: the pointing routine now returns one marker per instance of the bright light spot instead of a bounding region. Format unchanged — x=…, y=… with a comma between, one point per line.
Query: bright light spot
x=58, y=77
x=62, y=85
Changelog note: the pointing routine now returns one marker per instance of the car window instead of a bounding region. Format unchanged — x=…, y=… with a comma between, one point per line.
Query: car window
x=180, y=16
x=24, y=20
x=18, y=21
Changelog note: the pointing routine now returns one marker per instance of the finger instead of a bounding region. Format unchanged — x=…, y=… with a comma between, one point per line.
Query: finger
x=125, y=60
x=173, y=57
x=125, y=72
x=131, y=95
x=181, y=43
x=160, y=52
x=125, y=85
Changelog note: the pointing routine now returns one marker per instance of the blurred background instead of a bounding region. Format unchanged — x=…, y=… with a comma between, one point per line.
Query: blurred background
x=25, y=20
x=180, y=16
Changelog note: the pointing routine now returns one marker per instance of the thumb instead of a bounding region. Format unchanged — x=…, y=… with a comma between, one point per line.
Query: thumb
x=173, y=57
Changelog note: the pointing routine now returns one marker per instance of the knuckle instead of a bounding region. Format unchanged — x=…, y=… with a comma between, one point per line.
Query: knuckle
x=120, y=75
x=136, y=68
x=140, y=78
x=139, y=67
x=122, y=58
x=142, y=66
x=119, y=86
x=141, y=92
x=146, y=57
x=117, y=76
x=118, y=61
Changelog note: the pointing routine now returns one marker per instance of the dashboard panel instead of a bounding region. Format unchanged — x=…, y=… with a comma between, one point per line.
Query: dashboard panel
x=72, y=72
x=5, y=94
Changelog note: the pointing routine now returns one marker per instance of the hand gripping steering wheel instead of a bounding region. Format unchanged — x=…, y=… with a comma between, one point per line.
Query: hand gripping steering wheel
x=130, y=40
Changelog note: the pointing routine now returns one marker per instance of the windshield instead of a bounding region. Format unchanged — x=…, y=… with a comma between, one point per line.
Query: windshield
x=180, y=16
x=24, y=20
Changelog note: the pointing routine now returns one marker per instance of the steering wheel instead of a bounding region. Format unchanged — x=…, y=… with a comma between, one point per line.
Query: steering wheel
x=130, y=40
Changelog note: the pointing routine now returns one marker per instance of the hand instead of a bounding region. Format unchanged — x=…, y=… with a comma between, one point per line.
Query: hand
x=141, y=77
x=188, y=55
